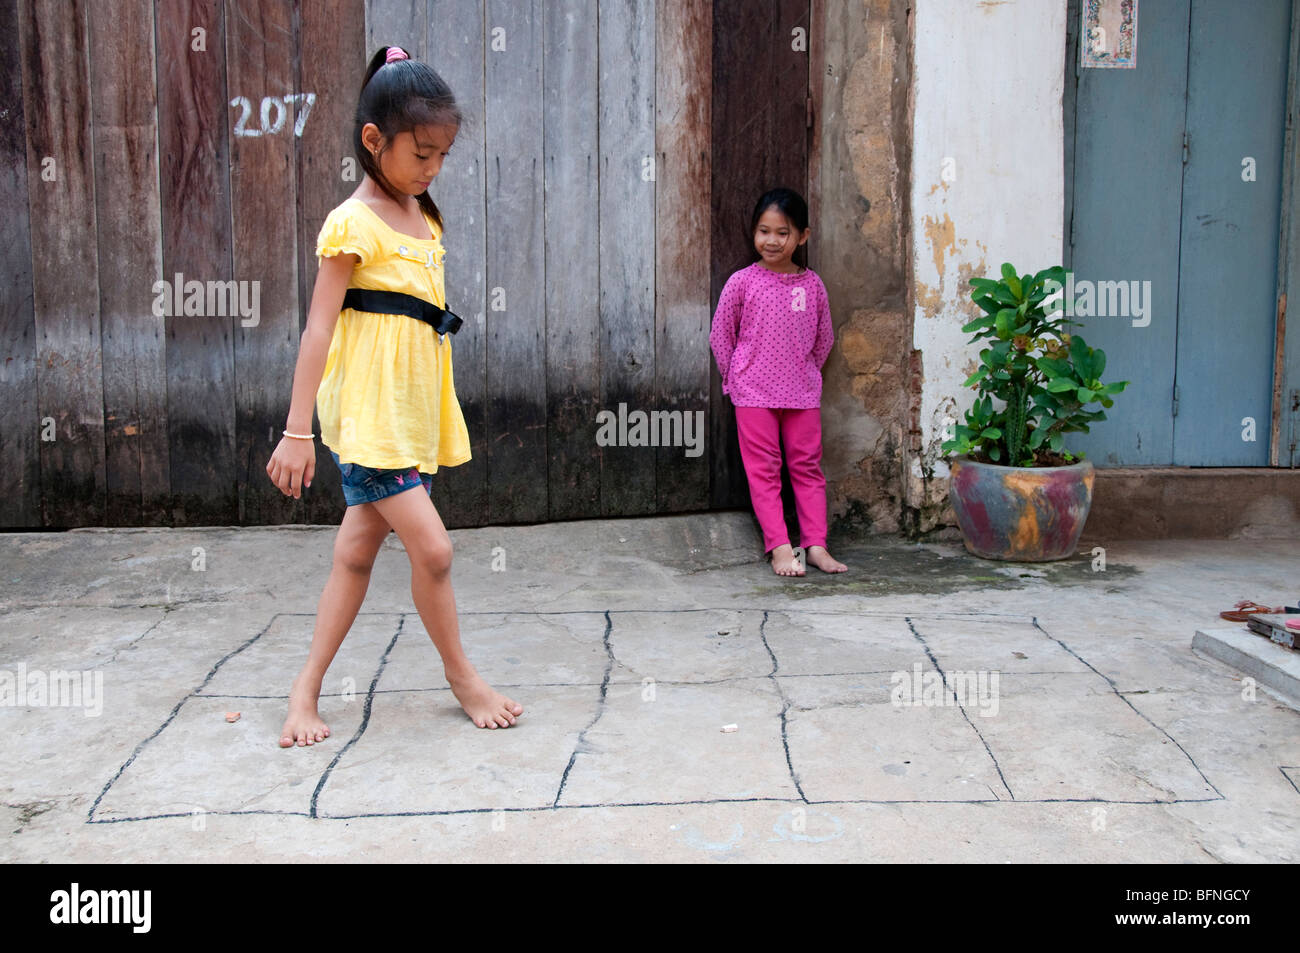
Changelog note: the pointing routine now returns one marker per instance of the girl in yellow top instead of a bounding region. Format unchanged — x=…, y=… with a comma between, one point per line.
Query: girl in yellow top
x=383, y=386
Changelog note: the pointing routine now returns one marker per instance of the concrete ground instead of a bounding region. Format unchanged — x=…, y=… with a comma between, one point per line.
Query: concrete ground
x=1079, y=725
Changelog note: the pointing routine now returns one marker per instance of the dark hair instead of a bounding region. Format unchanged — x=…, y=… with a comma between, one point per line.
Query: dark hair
x=397, y=97
x=790, y=204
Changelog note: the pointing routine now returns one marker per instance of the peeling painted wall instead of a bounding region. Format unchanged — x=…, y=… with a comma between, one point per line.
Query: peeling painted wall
x=987, y=187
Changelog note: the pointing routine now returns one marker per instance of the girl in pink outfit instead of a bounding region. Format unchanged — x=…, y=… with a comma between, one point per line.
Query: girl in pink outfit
x=771, y=335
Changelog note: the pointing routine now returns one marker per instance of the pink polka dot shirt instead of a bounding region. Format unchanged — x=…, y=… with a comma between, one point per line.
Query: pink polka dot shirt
x=771, y=335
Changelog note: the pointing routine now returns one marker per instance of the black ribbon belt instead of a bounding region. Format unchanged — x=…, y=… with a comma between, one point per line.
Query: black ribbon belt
x=394, y=302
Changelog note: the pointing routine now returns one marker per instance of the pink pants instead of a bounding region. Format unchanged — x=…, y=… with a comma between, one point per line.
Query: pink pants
x=762, y=430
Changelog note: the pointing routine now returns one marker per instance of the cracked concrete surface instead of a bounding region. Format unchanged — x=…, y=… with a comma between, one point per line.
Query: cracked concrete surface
x=631, y=643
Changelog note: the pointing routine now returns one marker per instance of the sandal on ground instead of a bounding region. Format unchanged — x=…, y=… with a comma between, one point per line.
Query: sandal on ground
x=1245, y=609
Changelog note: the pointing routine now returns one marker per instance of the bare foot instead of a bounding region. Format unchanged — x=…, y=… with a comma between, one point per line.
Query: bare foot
x=819, y=557
x=304, y=725
x=486, y=706
x=784, y=563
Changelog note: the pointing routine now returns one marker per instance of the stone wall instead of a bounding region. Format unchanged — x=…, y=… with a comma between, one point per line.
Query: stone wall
x=861, y=171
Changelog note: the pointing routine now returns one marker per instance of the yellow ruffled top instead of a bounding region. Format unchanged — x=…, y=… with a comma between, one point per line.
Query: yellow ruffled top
x=387, y=399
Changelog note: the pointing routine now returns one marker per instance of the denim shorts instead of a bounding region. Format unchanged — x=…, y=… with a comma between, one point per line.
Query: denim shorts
x=363, y=484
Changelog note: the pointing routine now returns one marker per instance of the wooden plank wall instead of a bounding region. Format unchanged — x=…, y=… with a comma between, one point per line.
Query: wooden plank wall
x=626, y=220
x=516, y=299
x=194, y=132
x=127, y=219
x=456, y=34
x=331, y=58
x=683, y=305
x=260, y=41
x=570, y=61
x=20, y=477
x=581, y=201
x=65, y=268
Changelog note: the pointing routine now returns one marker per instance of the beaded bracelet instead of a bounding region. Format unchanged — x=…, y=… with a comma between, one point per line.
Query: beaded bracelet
x=300, y=436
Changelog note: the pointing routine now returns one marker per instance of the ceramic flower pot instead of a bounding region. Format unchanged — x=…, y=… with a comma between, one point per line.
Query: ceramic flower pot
x=1020, y=514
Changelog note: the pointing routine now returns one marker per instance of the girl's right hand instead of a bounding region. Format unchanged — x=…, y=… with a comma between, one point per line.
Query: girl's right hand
x=292, y=465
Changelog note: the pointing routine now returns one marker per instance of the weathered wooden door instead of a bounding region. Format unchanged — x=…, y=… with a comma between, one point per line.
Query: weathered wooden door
x=761, y=128
x=1173, y=229
x=595, y=201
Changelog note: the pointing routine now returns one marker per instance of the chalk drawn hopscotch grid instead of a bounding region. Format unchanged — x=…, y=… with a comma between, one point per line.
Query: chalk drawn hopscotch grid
x=613, y=707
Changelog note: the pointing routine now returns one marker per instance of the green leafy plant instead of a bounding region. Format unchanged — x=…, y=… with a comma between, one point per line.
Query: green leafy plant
x=1035, y=381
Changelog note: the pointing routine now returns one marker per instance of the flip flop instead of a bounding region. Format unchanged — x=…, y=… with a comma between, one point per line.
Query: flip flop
x=1246, y=608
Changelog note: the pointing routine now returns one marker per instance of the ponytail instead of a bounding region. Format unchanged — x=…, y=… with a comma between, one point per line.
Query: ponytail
x=397, y=95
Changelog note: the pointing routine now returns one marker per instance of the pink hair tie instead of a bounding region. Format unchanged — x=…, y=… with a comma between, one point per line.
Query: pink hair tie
x=395, y=53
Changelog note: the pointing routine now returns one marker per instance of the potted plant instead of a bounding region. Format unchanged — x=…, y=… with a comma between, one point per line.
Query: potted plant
x=1019, y=494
